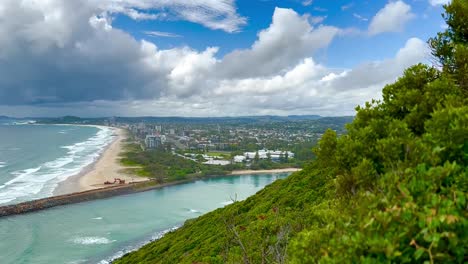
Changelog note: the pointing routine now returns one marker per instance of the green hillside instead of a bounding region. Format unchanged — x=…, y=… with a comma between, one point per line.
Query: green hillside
x=392, y=190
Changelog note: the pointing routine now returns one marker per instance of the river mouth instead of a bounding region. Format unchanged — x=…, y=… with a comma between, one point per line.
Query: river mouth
x=100, y=230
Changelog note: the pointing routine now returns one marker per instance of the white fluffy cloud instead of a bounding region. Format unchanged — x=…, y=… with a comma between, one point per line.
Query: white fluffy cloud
x=64, y=57
x=289, y=38
x=438, y=2
x=380, y=72
x=391, y=18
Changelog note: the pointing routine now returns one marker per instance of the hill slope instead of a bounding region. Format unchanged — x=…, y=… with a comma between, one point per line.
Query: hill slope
x=212, y=238
x=394, y=189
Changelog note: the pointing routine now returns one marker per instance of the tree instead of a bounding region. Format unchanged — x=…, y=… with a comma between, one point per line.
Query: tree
x=200, y=158
x=326, y=149
x=257, y=157
x=449, y=47
x=400, y=165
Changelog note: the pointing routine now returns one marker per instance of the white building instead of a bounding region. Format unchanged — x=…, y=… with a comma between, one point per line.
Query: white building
x=153, y=142
x=263, y=154
x=217, y=162
x=239, y=159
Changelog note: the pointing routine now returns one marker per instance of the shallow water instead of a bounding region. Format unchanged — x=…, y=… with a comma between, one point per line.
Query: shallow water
x=100, y=230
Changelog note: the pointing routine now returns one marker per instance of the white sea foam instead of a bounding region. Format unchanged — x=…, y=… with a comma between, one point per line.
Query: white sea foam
x=227, y=203
x=2, y=164
x=39, y=182
x=27, y=122
x=128, y=249
x=78, y=261
x=97, y=218
x=194, y=211
x=92, y=240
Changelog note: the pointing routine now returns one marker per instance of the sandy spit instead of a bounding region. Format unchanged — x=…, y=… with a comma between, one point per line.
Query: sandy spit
x=106, y=168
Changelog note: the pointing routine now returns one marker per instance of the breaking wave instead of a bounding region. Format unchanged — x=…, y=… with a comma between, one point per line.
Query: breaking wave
x=40, y=182
x=92, y=240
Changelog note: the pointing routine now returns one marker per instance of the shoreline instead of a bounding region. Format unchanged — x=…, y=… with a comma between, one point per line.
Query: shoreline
x=105, y=168
x=244, y=172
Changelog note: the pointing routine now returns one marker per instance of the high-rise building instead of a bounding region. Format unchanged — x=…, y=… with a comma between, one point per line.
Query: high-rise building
x=152, y=141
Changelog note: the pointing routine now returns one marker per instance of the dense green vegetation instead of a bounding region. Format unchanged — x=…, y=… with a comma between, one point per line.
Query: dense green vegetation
x=166, y=167
x=392, y=190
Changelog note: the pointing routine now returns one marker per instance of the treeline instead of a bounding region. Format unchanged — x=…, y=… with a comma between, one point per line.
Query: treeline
x=394, y=189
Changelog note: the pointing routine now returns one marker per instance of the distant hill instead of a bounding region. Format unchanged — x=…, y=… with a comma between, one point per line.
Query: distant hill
x=241, y=119
x=194, y=120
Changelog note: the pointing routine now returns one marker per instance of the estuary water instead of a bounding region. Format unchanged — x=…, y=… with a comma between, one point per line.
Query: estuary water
x=99, y=231
x=35, y=158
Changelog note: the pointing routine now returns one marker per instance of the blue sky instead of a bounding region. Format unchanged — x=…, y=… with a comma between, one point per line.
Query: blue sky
x=346, y=51
x=206, y=57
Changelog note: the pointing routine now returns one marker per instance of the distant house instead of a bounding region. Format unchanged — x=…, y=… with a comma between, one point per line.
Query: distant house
x=239, y=159
x=217, y=162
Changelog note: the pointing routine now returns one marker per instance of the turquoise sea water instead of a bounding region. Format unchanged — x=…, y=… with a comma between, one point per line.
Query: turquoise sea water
x=35, y=158
x=98, y=231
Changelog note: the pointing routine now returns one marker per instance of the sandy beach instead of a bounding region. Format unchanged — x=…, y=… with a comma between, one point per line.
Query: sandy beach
x=242, y=172
x=106, y=168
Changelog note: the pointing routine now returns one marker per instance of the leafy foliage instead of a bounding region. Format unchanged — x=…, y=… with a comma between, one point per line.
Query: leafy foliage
x=392, y=190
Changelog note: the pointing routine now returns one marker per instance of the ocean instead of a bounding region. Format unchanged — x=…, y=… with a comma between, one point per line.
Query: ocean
x=101, y=230
x=35, y=158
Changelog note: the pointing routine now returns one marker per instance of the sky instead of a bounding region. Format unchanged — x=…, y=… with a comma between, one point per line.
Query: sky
x=95, y=58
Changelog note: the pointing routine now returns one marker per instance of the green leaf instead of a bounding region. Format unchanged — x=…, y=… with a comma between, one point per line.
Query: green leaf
x=418, y=253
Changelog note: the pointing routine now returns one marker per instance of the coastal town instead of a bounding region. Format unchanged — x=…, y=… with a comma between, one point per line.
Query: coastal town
x=230, y=131
x=243, y=143
x=145, y=154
